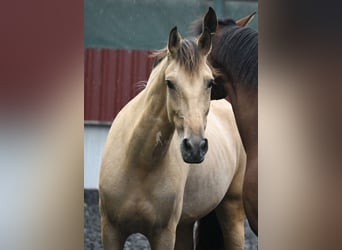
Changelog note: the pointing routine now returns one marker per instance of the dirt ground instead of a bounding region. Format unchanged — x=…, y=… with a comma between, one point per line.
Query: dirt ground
x=92, y=234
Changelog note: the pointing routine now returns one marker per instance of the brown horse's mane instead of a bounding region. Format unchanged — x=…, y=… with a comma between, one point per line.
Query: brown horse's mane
x=236, y=51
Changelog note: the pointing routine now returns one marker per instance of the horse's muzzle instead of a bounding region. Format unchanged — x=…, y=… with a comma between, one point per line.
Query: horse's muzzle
x=194, y=149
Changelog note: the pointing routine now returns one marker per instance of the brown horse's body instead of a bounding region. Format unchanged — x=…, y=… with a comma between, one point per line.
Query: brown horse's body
x=243, y=96
x=172, y=156
x=245, y=105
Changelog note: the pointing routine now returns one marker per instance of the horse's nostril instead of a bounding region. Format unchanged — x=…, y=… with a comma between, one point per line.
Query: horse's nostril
x=187, y=144
x=204, y=145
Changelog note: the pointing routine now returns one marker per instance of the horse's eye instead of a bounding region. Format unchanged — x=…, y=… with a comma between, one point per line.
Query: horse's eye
x=210, y=83
x=170, y=84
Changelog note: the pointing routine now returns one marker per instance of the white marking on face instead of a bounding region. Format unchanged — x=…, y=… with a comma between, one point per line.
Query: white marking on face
x=158, y=138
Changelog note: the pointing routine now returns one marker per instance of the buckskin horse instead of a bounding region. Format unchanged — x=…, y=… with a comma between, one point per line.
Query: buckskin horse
x=235, y=56
x=172, y=156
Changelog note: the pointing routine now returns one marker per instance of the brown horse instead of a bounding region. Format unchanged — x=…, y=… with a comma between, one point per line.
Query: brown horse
x=235, y=55
x=172, y=156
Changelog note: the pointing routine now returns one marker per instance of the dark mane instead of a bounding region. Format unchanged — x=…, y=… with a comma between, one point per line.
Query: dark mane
x=237, y=53
x=188, y=55
x=196, y=26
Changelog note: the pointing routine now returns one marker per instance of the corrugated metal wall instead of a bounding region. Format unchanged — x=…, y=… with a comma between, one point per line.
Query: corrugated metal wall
x=112, y=78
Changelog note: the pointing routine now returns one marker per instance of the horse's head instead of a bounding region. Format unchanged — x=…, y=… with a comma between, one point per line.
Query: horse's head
x=227, y=42
x=189, y=80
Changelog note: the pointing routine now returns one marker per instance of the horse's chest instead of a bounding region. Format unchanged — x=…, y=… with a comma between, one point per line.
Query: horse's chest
x=142, y=215
x=141, y=208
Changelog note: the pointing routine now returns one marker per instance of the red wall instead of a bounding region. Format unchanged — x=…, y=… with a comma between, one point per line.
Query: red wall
x=111, y=79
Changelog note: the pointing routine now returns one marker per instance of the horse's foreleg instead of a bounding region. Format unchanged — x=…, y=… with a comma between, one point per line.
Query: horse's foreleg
x=250, y=194
x=112, y=238
x=164, y=239
x=184, y=237
x=230, y=213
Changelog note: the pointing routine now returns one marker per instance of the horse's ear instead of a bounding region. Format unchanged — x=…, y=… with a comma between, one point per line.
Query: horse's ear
x=210, y=21
x=204, y=42
x=244, y=21
x=174, y=41
x=208, y=28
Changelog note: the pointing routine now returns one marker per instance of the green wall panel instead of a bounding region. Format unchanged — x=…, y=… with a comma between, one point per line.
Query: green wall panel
x=145, y=24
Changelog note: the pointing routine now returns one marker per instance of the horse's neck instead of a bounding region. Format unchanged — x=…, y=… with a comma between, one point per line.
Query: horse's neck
x=245, y=104
x=152, y=133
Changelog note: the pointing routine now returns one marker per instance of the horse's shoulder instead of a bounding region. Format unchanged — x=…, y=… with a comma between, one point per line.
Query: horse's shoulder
x=222, y=108
x=221, y=113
